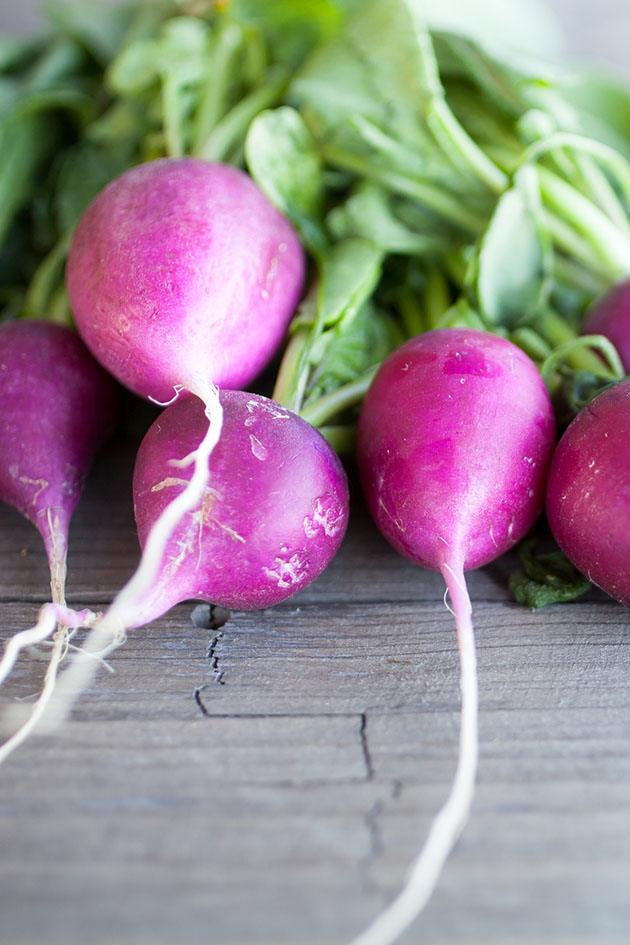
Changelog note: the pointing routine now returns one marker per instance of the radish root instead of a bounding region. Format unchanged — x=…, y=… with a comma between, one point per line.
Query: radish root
x=451, y=819
x=49, y=616
x=126, y=609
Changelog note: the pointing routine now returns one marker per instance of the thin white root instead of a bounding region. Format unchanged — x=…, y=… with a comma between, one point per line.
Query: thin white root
x=177, y=388
x=49, y=616
x=43, y=629
x=451, y=819
x=127, y=607
x=58, y=652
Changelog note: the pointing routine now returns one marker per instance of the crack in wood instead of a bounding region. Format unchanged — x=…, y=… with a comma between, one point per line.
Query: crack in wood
x=365, y=748
x=213, y=618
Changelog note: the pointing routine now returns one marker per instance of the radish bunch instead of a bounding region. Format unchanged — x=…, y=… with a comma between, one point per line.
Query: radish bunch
x=183, y=279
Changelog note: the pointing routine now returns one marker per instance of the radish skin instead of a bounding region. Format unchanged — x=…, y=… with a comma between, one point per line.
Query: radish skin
x=58, y=407
x=588, y=493
x=610, y=317
x=454, y=442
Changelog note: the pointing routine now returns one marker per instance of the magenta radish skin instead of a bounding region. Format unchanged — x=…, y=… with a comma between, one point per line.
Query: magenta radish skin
x=273, y=515
x=611, y=317
x=455, y=439
x=58, y=407
x=588, y=495
x=181, y=272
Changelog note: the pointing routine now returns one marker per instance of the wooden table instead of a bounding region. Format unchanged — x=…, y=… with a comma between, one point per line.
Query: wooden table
x=268, y=782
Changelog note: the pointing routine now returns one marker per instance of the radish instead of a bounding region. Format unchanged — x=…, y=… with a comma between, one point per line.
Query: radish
x=273, y=515
x=271, y=518
x=181, y=276
x=182, y=273
x=58, y=406
x=611, y=317
x=588, y=494
x=454, y=442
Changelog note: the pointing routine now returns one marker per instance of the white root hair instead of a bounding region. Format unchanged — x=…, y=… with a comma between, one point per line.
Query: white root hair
x=450, y=821
x=127, y=607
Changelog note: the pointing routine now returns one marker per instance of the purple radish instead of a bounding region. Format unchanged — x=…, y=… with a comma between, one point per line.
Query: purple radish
x=181, y=272
x=271, y=518
x=58, y=406
x=455, y=438
x=273, y=514
x=611, y=317
x=182, y=276
x=588, y=494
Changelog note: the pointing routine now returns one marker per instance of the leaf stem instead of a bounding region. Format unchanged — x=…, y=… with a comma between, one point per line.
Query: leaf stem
x=329, y=405
x=611, y=244
x=226, y=133
x=453, y=138
x=442, y=203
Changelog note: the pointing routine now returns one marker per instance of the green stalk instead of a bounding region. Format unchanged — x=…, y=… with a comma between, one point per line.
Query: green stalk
x=571, y=243
x=531, y=343
x=214, y=96
x=601, y=190
x=288, y=380
x=572, y=351
x=447, y=131
x=453, y=138
x=334, y=403
x=437, y=297
x=611, y=244
x=569, y=272
x=561, y=337
x=616, y=162
x=226, y=134
x=411, y=313
x=46, y=279
x=449, y=208
x=171, y=118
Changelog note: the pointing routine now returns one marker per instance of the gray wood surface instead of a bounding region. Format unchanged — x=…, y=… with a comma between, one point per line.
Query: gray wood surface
x=282, y=805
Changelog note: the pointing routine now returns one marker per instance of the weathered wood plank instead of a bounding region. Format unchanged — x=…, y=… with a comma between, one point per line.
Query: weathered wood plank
x=305, y=793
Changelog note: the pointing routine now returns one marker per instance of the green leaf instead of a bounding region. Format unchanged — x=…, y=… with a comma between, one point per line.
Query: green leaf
x=545, y=578
x=134, y=70
x=100, y=28
x=369, y=213
x=350, y=272
x=282, y=159
x=514, y=261
x=348, y=351
x=293, y=27
x=24, y=143
x=179, y=53
x=15, y=53
x=381, y=69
